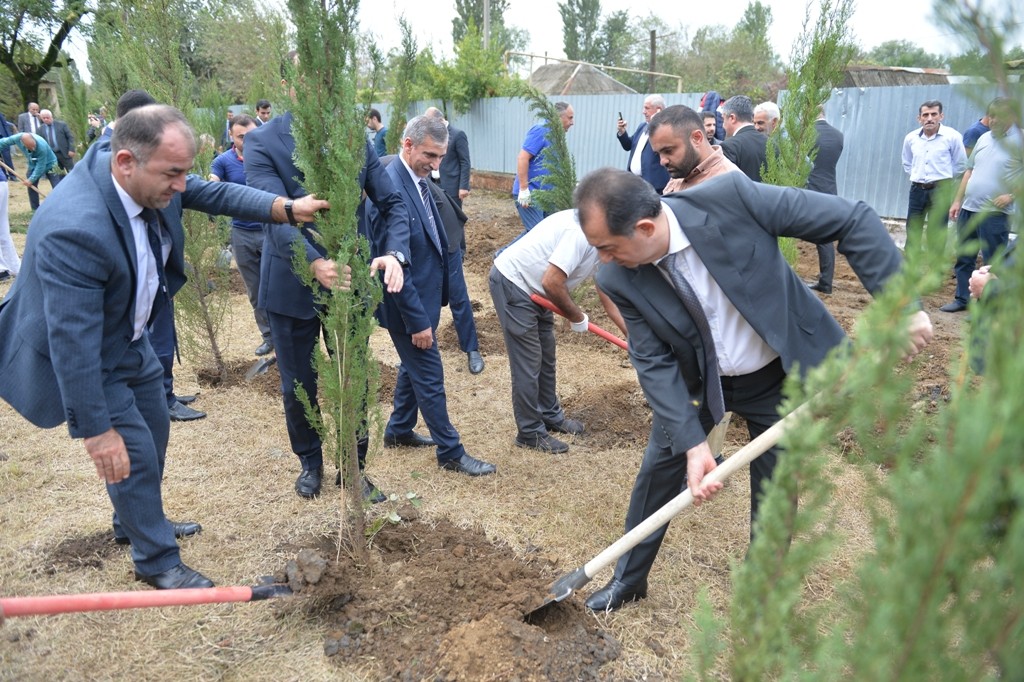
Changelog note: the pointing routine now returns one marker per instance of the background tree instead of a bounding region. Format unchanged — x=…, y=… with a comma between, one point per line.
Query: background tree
x=74, y=109
x=558, y=160
x=32, y=33
x=476, y=73
x=502, y=37
x=404, y=65
x=903, y=53
x=581, y=29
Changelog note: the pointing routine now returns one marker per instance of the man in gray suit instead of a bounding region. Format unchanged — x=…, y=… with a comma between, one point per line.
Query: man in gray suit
x=60, y=139
x=104, y=254
x=710, y=253
x=28, y=121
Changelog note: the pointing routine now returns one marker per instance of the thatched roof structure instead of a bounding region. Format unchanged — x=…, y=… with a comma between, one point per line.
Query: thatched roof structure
x=568, y=78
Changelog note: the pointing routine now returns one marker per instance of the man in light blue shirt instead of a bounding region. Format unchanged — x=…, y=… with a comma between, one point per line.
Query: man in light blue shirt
x=41, y=161
x=932, y=156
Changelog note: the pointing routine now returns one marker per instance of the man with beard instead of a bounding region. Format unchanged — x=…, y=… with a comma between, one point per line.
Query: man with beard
x=678, y=137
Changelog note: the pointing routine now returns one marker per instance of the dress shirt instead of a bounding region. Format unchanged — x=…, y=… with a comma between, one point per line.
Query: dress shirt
x=148, y=281
x=740, y=350
x=636, y=162
x=714, y=165
x=930, y=159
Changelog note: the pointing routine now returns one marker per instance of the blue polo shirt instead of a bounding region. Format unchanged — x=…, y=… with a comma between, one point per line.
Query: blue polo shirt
x=535, y=143
x=229, y=168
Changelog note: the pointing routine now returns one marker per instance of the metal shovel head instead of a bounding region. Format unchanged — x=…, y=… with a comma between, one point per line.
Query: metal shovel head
x=261, y=366
x=560, y=590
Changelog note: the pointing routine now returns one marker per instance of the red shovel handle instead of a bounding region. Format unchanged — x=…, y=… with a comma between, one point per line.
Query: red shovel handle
x=593, y=328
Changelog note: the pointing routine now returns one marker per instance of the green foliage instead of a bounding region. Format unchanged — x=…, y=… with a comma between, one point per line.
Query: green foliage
x=502, y=37
x=580, y=28
x=375, y=77
x=475, y=74
x=558, y=161
x=820, y=56
x=330, y=151
x=32, y=33
x=404, y=92
x=937, y=596
x=75, y=111
x=903, y=53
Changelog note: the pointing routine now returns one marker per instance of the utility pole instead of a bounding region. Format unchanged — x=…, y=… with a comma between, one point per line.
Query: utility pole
x=654, y=60
x=487, y=24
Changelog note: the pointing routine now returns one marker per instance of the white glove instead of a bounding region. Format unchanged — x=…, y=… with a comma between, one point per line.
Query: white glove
x=581, y=326
x=524, y=197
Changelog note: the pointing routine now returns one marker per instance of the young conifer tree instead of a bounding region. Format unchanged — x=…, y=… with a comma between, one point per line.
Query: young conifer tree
x=558, y=160
x=331, y=150
x=937, y=595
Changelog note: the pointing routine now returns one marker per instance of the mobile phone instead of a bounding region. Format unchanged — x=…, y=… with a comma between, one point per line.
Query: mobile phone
x=620, y=115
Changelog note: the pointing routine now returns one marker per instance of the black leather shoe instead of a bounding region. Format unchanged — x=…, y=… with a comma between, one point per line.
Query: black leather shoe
x=264, y=348
x=613, y=595
x=308, y=483
x=409, y=440
x=573, y=427
x=954, y=307
x=476, y=362
x=821, y=288
x=471, y=466
x=176, y=578
x=182, y=529
x=186, y=399
x=183, y=413
x=371, y=493
x=544, y=443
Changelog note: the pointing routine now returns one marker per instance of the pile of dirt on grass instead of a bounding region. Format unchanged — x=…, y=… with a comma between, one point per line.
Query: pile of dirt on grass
x=436, y=601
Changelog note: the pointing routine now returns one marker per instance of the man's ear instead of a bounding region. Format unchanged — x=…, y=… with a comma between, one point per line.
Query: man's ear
x=645, y=226
x=124, y=160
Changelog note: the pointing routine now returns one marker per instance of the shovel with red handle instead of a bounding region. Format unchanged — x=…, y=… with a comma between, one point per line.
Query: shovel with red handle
x=591, y=327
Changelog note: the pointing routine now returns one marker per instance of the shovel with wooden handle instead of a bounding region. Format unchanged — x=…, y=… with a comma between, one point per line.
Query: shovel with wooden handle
x=563, y=588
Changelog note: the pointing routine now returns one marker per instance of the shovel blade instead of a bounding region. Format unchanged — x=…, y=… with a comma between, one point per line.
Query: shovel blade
x=560, y=590
x=261, y=366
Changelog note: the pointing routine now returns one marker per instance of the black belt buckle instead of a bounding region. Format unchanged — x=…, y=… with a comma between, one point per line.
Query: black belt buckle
x=924, y=185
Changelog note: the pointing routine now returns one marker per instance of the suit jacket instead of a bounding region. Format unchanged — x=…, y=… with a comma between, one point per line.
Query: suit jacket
x=733, y=225
x=748, y=150
x=64, y=142
x=24, y=122
x=651, y=169
x=455, y=164
x=69, y=318
x=269, y=166
x=418, y=305
x=830, y=148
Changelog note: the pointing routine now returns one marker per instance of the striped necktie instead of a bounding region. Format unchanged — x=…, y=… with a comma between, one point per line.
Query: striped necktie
x=712, y=381
x=428, y=203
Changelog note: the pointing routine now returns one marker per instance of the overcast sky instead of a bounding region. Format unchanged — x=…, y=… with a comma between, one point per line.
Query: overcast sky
x=874, y=21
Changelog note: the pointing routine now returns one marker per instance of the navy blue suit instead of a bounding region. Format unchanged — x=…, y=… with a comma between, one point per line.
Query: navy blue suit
x=295, y=325
x=420, y=383
x=651, y=169
x=66, y=328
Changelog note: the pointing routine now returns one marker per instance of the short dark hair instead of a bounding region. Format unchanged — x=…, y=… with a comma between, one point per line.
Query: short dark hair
x=682, y=119
x=262, y=104
x=624, y=199
x=141, y=130
x=740, y=106
x=373, y=113
x=133, y=99
x=244, y=120
x=930, y=104
x=710, y=114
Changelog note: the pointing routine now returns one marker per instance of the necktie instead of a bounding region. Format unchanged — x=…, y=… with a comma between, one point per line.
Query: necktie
x=428, y=203
x=154, y=231
x=712, y=382
x=49, y=136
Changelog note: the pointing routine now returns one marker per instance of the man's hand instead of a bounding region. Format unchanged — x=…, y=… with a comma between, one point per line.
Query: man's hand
x=920, y=328
x=1003, y=200
x=394, y=277
x=954, y=210
x=979, y=278
x=463, y=193
x=71, y=154
x=306, y=208
x=700, y=461
x=524, y=197
x=27, y=183
x=621, y=127
x=110, y=456
x=326, y=272
x=424, y=339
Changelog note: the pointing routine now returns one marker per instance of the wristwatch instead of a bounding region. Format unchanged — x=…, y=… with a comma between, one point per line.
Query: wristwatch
x=400, y=257
x=288, y=204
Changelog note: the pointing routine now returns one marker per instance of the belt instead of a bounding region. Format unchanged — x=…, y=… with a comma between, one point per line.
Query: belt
x=924, y=185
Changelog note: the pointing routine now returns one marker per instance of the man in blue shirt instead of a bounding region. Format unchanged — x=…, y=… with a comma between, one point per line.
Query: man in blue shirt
x=980, y=127
x=41, y=161
x=246, y=236
x=530, y=171
x=380, y=132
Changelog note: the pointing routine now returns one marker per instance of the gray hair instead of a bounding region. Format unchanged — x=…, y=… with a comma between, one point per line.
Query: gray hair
x=421, y=127
x=560, y=107
x=740, y=106
x=655, y=100
x=770, y=108
x=141, y=130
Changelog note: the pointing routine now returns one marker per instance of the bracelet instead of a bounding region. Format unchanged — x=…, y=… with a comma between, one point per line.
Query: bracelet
x=288, y=203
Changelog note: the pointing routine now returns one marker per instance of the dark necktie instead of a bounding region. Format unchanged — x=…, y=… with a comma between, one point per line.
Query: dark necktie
x=712, y=382
x=154, y=231
x=49, y=137
x=428, y=203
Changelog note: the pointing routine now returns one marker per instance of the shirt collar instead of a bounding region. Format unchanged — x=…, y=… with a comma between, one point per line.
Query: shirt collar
x=131, y=207
x=677, y=239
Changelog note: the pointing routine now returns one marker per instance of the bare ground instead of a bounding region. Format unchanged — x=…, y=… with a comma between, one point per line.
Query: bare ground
x=441, y=594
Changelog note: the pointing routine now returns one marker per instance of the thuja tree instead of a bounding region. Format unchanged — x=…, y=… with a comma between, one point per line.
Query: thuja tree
x=937, y=595
x=820, y=55
x=558, y=161
x=403, y=91
x=330, y=151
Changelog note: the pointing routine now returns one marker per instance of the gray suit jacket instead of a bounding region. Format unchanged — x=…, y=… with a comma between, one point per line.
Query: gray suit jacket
x=68, y=319
x=455, y=165
x=65, y=142
x=733, y=224
x=24, y=122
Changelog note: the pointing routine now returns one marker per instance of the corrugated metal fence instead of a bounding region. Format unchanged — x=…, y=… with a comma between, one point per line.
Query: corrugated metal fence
x=874, y=122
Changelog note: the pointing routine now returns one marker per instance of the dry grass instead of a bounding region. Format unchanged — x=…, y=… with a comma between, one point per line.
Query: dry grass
x=234, y=472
